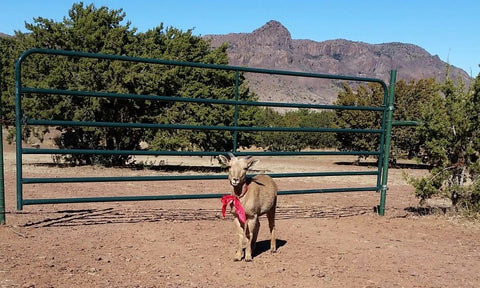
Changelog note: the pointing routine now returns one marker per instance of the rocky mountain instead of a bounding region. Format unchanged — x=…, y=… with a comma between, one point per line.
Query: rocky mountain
x=272, y=47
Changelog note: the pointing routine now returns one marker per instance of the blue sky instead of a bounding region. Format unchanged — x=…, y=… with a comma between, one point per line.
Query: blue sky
x=448, y=29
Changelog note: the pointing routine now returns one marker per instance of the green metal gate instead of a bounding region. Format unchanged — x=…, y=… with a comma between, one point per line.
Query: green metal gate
x=384, y=109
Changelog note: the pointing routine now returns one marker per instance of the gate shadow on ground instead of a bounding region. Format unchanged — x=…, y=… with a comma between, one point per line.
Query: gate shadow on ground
x=425, y=211
x=398, y=165
x=105, y=216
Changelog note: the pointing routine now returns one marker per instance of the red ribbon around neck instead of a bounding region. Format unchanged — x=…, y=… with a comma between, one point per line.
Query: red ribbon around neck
x=227, y=199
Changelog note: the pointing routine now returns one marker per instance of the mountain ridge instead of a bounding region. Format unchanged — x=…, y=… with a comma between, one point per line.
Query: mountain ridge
x=272, y=47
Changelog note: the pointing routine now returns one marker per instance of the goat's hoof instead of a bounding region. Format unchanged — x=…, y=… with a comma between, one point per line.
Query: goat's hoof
x=238, y=257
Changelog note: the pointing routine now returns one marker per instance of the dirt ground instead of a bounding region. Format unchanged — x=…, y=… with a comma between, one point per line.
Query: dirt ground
x=323, y=240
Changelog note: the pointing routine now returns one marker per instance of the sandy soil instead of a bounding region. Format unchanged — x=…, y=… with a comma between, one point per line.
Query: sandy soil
x=324, y=240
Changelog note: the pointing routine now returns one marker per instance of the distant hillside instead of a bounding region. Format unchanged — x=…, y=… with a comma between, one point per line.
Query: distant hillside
x=272, y=47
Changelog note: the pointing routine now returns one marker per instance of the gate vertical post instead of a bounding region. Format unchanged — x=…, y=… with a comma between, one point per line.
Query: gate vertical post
x=235, y=119
x=18, y=132
x=2, y=178
x=388, y=138
x=2, y=170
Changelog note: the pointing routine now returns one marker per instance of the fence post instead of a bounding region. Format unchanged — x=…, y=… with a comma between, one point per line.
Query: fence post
x=388, y=136
x=18, y=132
x=235, y=119
x=2, y=179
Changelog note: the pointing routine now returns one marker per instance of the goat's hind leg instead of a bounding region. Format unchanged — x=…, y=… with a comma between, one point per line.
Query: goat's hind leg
x=271, y=225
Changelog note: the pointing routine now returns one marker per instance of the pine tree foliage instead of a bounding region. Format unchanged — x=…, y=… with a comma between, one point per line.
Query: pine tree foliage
x=7, y=79
x=450, y=131
x=101, y=30
x=410, y=100
x=370, y=95
x=296, y=141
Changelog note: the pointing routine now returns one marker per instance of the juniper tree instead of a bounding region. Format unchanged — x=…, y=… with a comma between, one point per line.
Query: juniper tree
x=102, y=30
x=450, y=130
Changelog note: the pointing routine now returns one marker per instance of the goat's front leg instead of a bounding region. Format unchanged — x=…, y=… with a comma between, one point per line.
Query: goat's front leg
x=252, y=227
x=241, y=236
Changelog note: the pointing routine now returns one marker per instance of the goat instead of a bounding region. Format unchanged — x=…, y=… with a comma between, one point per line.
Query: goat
x=257, y=196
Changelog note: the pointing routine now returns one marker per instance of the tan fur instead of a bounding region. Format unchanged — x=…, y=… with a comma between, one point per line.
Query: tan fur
x=260, y=198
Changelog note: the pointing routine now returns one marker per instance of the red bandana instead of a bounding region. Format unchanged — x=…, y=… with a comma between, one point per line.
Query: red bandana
x=227, y=199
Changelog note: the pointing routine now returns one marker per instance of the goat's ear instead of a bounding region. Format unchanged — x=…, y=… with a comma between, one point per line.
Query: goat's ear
x=224, y=160
x=252, y=162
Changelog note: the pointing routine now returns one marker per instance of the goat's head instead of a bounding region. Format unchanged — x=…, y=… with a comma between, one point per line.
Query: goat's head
x=237, y=168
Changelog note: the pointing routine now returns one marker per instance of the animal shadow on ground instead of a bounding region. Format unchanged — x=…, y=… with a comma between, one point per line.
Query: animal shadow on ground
x=264, y=246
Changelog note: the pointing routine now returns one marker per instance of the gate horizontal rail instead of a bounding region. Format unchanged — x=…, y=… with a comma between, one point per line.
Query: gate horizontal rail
x=192, y=153
x=181, y=196
x=184, y=177
x=198, y=127
x=196, y=100
x=384, y=109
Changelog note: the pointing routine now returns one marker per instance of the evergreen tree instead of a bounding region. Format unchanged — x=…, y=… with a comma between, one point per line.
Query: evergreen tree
x=296, y=141
x=7, y=79
x=370, y=95
x=410, y=100
x=450, y=131
x=101, y=30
